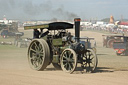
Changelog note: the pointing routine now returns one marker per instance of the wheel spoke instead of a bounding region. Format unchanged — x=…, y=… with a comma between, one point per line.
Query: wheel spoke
x=67, y=54
x=69, y=68
x=34, y=64
x=36, y=47
x=40, y=58
x=64, y=61
x=89, y=55
x=33, y=56
x=65, y=57
x=71, y=55
x=72, y=65
x=72, y=60
x=39, y=61
x=65, y=65
x=92, y=64
x=31, y=49
x=41, y=54
x=85, y=64
x=89, y=65
x=40, y=47
x=92, y=58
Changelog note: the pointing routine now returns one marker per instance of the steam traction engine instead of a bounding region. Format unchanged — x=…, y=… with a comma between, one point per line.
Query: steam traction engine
x=121, y=48
x=59, y=47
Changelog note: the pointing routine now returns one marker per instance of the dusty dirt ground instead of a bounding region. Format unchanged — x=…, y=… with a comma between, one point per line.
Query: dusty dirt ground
x=15, y=70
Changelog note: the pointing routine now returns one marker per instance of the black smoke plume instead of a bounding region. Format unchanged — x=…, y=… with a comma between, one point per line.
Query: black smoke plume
x=28, y=10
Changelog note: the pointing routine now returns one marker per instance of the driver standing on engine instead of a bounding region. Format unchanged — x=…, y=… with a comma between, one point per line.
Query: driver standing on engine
x=36, y=33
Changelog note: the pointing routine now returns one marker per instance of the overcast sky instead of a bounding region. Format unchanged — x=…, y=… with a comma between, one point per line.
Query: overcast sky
x=63, y=9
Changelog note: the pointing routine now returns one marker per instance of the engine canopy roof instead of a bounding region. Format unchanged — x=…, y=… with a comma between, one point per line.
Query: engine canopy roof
x=51, y=26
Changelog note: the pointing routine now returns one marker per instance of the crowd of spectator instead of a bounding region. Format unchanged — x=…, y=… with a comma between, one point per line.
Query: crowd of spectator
x=111, y=29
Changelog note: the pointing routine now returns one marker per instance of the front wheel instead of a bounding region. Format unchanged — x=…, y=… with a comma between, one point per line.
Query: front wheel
x=68, y=60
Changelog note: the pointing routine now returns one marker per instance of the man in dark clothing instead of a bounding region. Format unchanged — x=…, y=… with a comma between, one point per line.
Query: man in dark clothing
x=4, y=33
x=36, y=33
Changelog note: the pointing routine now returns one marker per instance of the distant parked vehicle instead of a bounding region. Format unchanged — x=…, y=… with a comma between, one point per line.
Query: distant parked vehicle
x=109, y=39
x=9, y=29
x=121, y=47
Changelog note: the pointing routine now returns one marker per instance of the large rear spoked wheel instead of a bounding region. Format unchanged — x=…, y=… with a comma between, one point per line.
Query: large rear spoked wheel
x=68, y=60
x=90, y=61
x=38, y=54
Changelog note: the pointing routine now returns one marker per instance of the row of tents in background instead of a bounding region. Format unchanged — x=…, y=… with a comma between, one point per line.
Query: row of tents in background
x=113, y=26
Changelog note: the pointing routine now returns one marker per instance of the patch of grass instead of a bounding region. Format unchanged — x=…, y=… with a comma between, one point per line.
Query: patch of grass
x=12, y=51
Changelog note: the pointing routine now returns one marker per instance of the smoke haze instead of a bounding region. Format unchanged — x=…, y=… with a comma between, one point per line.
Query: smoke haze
x=28, y=10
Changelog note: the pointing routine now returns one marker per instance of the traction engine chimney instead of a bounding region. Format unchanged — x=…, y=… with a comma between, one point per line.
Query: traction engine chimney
x=77, y=29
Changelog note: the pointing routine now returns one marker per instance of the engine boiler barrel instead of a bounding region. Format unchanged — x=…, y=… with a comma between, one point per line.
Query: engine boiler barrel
x=77, y=29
